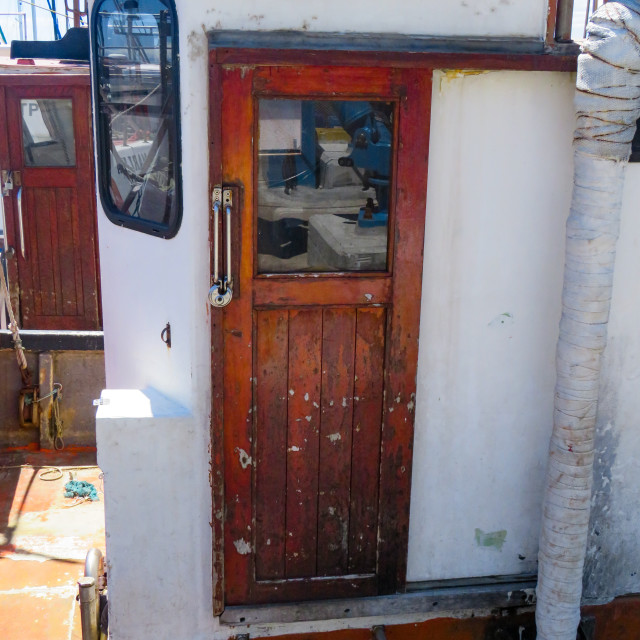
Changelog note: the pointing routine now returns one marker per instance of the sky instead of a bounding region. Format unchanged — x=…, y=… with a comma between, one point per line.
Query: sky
x=10, y=24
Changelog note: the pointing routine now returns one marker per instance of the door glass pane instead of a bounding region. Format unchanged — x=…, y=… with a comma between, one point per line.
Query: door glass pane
x=323, y=185
x=47, y=132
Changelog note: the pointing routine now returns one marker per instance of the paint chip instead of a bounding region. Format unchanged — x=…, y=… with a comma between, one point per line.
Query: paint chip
x=244, y=457
x=306, y=397
x=307, y=418
x=242, y=547
x=293, y=448
x=334, y=437
x=291, y=392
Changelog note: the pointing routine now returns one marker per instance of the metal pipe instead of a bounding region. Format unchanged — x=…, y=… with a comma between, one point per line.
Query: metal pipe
x=564, y=20
x=93, y=564
x=88, y=608
x=378, y=632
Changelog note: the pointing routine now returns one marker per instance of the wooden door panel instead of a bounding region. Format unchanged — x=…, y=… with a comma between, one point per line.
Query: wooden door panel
x=334, y=469
x=271, y=393
x=315, y=372
x=57, y=282
x=368, y=390
x=315, y=514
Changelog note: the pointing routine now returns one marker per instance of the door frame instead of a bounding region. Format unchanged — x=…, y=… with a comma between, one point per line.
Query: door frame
x=74, y=81
x=414, y=85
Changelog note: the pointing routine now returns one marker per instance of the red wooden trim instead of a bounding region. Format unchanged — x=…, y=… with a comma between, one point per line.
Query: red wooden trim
x=315, y=589
x=394, y=59
x=46, y=176
x=402, y=335
x=10, y=231
x=323, y=81
x=334, y=494
x=303, y=441
x=49, y=80
x=313, y=291
x=271, y=348
x=367, y=411
x=217, y=369
x=237, y=329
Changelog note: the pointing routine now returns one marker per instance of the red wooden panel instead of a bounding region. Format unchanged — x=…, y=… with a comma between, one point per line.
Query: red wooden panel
x=52, y=176
x=332, y=484
x=82, y=209
x=237, y=331
x=217, y=369
x=270, y=372
x=367, y=417
x=66, y=251
x=401, y=358
x=40, y=80
x=398, y=59
x=305, y=361
x=319, y=290
x=315, y=589
x=322, y=81
x=338, y=346
x=27, y=275
x=56, y=258
x=39, y=205
x=58, y=282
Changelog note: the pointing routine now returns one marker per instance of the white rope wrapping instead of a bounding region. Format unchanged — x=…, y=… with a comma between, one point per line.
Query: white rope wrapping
x=607, y=106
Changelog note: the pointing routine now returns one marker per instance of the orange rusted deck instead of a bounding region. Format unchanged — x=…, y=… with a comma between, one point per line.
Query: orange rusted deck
x=43, y=544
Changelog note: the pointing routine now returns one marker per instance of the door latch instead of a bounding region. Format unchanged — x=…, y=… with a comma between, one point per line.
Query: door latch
x=221, y=290
x=9, y=179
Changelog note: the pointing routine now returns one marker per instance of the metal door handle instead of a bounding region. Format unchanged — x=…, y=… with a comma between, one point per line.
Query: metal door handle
x=20, y=223
x=221, y=290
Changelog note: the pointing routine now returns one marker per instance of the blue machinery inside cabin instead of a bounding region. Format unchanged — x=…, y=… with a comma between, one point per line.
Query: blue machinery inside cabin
x=369, y=154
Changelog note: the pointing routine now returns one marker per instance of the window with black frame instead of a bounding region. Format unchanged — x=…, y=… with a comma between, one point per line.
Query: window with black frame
x=136, y=84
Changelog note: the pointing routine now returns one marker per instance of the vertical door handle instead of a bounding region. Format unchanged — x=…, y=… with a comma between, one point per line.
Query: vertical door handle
x=20, y=223
x=221, y=290
x=7, y=180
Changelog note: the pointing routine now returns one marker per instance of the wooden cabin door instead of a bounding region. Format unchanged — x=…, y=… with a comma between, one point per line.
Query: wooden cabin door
x=323, y=175
x=51, y=215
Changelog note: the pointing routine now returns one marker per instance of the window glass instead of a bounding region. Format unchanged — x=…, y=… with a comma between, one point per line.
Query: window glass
x=47, y=133
x=137, y=101
x=323, y=185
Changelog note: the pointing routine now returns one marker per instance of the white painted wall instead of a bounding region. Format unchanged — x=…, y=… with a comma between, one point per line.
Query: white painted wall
x=496, y=18
x=500, y=174
x=614, y=545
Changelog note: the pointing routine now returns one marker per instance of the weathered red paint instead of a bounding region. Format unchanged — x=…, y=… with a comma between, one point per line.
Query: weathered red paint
x=613, y=621
x=290, y=418
x=57, y=285
x=397, y=60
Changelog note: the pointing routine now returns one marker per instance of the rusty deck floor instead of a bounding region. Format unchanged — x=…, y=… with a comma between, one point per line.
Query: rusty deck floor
x=43, y=543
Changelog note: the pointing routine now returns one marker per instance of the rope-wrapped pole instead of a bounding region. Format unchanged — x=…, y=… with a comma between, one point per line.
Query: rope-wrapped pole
x=607, y=105
x=15, y=333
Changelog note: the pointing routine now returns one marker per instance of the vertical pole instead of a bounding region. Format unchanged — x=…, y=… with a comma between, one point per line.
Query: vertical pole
x=76, y=13
x=88, y=608
x=45, y=383
x=34, y=21
x=564, y=21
